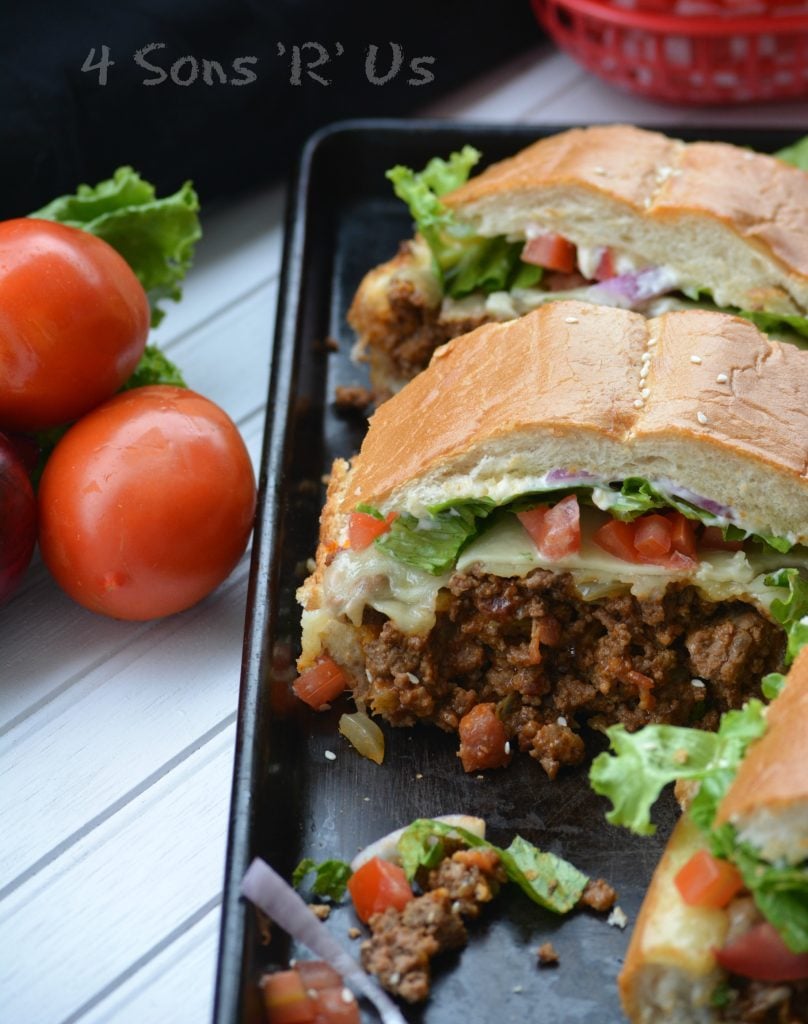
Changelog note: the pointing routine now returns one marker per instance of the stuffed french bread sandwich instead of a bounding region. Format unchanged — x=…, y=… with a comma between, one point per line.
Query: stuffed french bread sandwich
x=582, y=515
x=723, y=932
x=610, y=214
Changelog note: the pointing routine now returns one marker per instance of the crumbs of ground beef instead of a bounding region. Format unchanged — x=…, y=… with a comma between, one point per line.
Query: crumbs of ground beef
x=352, y=399
x=547, y=955
x=549, y=661
x=403, y=942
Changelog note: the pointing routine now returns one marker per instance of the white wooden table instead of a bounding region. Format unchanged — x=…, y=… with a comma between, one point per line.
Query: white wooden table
x=116, y=739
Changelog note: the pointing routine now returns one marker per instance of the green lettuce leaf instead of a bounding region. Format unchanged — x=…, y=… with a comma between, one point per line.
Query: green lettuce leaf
x=796, y=153
x=155, y=236
x=772, y=685
x=330, y=877
x=464, y=261
x=791, y=612
x=780, y=892
x=154, y=368
x=548, y=880
x=772, y=322
x=433, y=543
x=644, y=762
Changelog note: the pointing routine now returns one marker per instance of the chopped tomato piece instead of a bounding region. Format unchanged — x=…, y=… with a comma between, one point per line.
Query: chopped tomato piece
x=321, y=683
x=377, y=885
x=683, y=534
x=551, y=251
x=483, y=740
x=555, y=531
x=336, y=1006
x=286, y=1000
x=363, y=528
x=617, y=538
x=606, y=266
x=652, y=536
x=708, y=881
x=318, y=975
x=712, y=539
x=762, y=955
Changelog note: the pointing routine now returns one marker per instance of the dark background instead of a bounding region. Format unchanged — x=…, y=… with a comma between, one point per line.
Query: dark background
x=61, y=126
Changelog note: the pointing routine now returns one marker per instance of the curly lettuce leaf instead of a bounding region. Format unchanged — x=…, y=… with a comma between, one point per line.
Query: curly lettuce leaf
x=780, y=892
x=792, y=611
x=434, y=542
x=545, y=878
x=154, y=368
x=330, y=877
x=795, y=154
x=644, y=762
x=155, y=236
x=464, y=261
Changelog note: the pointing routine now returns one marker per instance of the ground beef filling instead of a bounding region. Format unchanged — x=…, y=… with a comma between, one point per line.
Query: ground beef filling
x=403, y=942
x=415, y=329
x=550, y=661
x=766, y=1002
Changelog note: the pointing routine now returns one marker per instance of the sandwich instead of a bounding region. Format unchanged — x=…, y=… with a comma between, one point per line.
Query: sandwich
x=612, y=214
x=582, y=515
x=723, y=931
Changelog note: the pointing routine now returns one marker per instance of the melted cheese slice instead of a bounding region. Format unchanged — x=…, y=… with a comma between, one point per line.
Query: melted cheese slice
x=409, y=596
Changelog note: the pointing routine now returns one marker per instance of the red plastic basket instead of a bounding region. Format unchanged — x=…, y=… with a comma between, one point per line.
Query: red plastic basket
x=687, y=51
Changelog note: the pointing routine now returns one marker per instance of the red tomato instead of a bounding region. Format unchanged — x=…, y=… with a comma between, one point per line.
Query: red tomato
x=605, y=268
x=712, y=539
x=683, y=533
x=555, y=531
x=652, y=536
x=708, y=881
x=17, y=519
x=74, y=323
x=147, y=503
x=332, y=1006
x=377, y=885
x=321, y=683
x=286, y=1000
x=617, y=538
x=364, y=528
x=483, y=740
x=762, y=955
x=551, y=251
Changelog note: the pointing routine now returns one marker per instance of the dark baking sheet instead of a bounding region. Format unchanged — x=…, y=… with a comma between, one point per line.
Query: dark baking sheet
x=289, y=800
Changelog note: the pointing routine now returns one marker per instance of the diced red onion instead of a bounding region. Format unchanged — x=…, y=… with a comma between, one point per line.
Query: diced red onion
x=638, y=286
x=264, y=887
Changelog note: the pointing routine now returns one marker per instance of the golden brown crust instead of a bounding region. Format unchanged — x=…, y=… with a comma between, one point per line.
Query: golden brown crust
x=576, y=371
x=617, y=160
x=669, y=938
x=772, y=775
x=763, y=200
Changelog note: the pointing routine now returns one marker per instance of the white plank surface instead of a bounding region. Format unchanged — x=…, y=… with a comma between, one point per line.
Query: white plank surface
x=116, y=739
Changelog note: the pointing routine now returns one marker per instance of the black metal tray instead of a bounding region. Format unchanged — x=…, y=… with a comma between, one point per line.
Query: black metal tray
x=289, y=800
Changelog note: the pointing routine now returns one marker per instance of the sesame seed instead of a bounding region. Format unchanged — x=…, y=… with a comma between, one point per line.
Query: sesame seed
x=652, y=341
x=638, y=403
x=646, y=202
x=695, y=359
x=645, y=392
x=570, y=319
x=646, y=357
x=347, y=996
x=700, y=416
x=698, y=683
x=517, y=989
x=644, y=371
x=330, y=755
x=561, y=720
x=507, y=746
x=419, y=775
x=366, y=799
x=722, y=378
x=599, y=170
